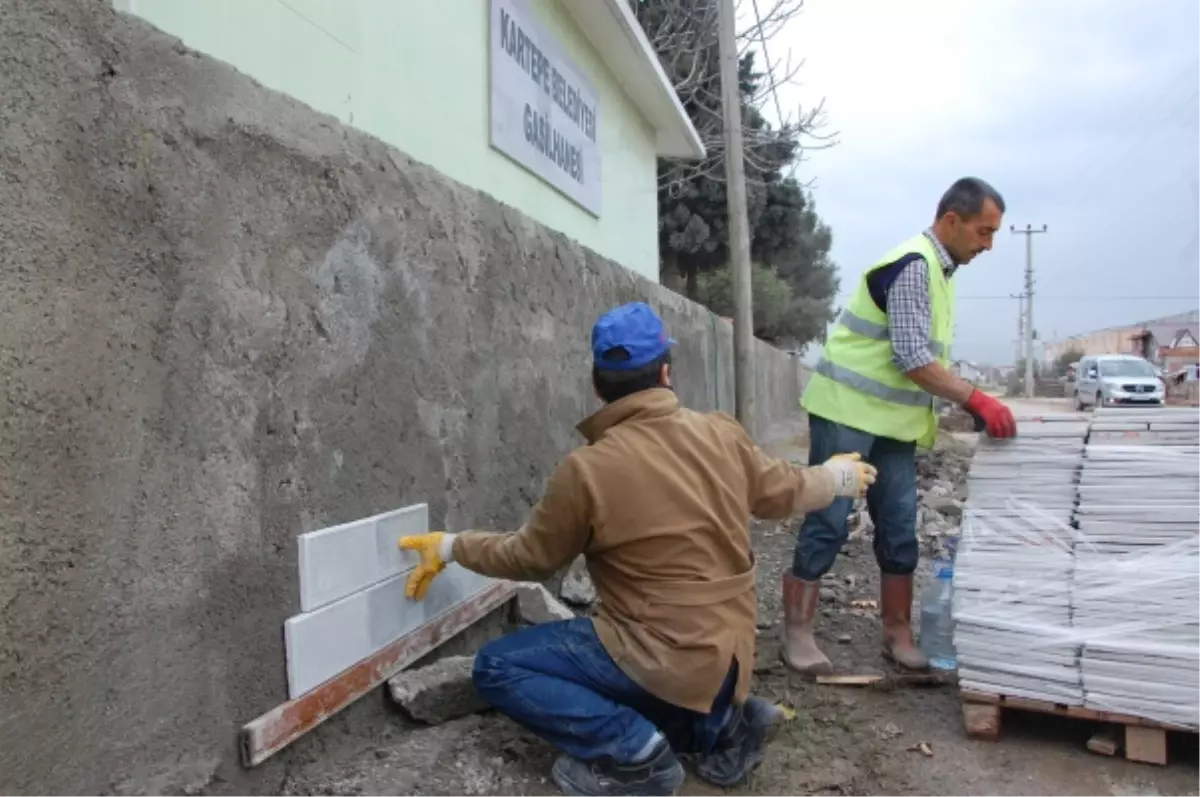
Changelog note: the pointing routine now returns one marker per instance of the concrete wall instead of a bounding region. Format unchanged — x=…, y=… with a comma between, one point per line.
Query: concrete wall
x=414, y=73
x=226, y=320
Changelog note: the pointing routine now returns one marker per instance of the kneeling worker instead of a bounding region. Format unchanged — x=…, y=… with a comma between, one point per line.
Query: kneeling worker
x=659, y=502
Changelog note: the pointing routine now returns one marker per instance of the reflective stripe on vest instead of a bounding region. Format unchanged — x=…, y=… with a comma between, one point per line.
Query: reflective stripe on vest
x=865, y=384
x=857, y=383
x=869, y=329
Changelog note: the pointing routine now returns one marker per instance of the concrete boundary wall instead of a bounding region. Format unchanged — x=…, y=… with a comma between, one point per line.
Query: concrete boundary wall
x=226, y=320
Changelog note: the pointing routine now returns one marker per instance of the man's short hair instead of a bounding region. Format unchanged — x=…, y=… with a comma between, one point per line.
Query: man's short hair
x=612, y=385
x=966, y=198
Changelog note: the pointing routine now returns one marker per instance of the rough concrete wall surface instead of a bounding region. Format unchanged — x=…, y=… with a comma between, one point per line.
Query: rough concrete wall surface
x=226, y=320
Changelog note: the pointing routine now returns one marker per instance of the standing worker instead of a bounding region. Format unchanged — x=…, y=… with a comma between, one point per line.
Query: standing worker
x=659, y=502
x=872, y=393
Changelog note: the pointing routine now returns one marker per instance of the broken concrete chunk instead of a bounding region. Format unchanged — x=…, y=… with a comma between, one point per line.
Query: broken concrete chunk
x=927, y=516
x=438, y=693
x=536, y=605
x=946, y=506
x=577, y=588
x=939, y=489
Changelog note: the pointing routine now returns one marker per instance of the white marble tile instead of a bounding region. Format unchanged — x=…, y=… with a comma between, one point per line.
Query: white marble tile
x=341, y=560
x=338, y=635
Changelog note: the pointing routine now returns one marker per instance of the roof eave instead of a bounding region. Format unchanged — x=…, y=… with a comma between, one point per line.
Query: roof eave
x=613, y=30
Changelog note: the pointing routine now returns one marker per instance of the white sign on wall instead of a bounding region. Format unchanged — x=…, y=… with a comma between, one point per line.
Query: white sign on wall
x=545, y=113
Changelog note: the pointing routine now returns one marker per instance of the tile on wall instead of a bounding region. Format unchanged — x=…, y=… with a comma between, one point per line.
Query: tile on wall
x=341, y=560
x=322, y=643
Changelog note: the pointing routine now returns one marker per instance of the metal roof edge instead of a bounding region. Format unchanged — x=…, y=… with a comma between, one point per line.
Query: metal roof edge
x=611, y=27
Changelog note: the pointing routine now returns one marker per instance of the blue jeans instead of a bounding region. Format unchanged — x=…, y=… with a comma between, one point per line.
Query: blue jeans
x=558, y=681
x=891, y=503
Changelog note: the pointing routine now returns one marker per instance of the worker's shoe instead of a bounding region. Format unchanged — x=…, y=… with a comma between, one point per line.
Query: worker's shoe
x=660, y=774
x=741, y=744
x=800, y=651
x=895, y=607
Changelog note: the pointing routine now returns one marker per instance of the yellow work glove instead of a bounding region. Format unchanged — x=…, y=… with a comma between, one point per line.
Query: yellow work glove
x=851, y=476
x=435, y=549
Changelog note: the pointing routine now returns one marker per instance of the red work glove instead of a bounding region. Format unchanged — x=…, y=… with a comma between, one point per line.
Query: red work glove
x=995, y=415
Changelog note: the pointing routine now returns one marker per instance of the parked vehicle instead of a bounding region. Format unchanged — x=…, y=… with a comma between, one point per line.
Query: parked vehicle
x=1110, y=380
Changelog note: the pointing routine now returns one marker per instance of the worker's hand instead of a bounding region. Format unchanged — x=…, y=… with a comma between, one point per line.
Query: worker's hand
x=997, y=418
x=435, y=550
x=851, y=476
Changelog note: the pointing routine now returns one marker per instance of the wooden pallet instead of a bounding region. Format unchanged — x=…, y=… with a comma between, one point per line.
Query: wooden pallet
x=1144, y=740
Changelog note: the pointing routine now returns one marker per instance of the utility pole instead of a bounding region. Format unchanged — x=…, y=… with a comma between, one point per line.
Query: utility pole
x=1019, y=341
x=1028, y=232
x=739, y=226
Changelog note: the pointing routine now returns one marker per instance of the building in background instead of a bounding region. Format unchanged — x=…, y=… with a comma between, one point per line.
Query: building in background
x=1169, y=342
x=967, y=370
x=1110, y=340
x=558, y=108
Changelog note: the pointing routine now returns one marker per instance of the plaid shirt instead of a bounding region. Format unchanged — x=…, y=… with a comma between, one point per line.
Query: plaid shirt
x=909, y=315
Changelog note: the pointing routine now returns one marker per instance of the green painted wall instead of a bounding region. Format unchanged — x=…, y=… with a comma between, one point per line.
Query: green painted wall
x=415, y=74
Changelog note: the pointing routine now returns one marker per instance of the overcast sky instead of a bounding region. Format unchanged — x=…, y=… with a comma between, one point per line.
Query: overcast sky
x=1083, y=113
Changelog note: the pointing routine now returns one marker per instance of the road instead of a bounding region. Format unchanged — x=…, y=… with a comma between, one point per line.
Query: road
x=1026, y=408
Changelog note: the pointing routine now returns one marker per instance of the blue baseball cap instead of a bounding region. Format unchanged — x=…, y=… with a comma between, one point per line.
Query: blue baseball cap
x=634, y=327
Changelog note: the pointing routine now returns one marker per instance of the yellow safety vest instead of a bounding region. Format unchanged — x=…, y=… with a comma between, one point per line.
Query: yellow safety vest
x=857, y=384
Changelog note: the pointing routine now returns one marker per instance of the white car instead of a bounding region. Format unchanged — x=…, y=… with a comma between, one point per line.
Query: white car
x=1110, y=380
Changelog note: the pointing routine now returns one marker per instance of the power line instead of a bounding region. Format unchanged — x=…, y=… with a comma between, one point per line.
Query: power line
x=1083, y=180
x=1079, y=184
x=1148, y=202
x=1151, y=131
x=1096, y=167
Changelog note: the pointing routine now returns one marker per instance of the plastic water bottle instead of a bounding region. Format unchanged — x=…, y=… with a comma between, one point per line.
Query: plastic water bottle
x=937, y=622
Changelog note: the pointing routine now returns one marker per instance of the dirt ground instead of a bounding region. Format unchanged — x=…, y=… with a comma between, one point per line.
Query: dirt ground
x=843, y=740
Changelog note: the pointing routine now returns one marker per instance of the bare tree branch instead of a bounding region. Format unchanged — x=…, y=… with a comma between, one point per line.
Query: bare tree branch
x=684, y=35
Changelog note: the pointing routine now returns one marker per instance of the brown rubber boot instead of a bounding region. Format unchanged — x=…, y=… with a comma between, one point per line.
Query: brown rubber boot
x=895, y=593
x=800, y=651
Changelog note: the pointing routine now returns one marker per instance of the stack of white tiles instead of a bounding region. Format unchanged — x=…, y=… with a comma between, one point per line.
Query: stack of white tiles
x=1137, y=577
x=352, y=602
x=1012, y=574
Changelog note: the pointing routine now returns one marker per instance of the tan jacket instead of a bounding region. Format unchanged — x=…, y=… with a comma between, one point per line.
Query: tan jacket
x=660, y=502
